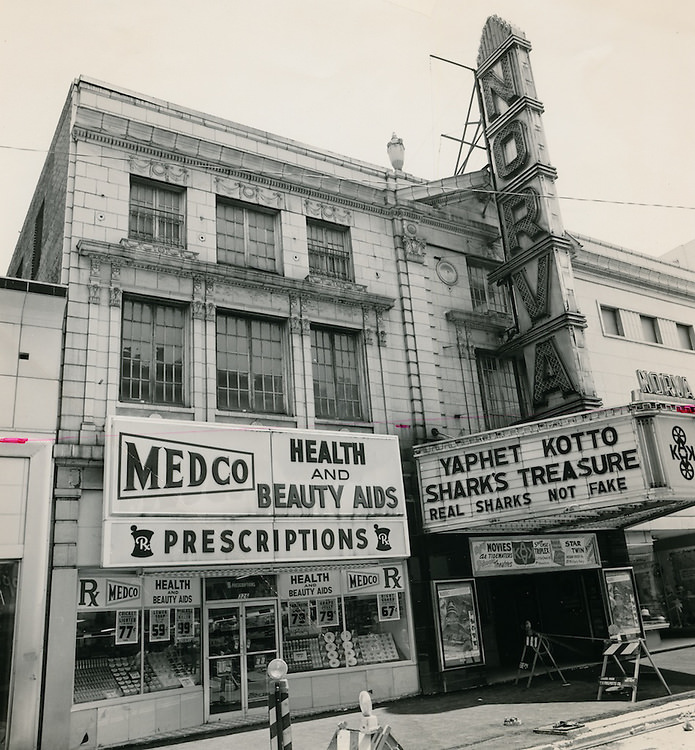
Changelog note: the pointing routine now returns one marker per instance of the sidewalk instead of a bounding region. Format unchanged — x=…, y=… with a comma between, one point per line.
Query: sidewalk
x=475, y=717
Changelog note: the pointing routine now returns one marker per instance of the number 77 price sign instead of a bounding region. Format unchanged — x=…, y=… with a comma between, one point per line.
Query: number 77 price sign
x=127, y=626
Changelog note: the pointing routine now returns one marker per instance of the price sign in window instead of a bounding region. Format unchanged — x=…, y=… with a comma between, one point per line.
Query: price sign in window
x=299, y=614
x=159, y=625
x=388, y=607
x=184, y=625
x=127, y=626
x=327, y=612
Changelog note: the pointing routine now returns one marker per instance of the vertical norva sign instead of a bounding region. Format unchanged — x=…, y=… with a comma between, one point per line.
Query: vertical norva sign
x=184, y=492
x=537, y=252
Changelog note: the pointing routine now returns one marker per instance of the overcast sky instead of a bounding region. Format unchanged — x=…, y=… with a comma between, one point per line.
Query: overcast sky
x=615, y=77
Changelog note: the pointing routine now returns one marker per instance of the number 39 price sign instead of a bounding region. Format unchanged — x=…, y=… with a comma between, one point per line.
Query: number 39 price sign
x=388, y=606
x=127, y=621
x=159, y=625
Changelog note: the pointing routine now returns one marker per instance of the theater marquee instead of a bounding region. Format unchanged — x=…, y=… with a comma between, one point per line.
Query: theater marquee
x=179, y=493
x=603, y=469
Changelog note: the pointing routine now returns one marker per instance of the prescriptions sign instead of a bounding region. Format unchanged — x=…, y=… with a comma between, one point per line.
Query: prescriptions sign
x=535, y=471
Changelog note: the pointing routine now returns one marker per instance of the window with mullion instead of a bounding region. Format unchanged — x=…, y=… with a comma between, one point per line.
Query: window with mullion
x=152, y=350
x=329, y=250
x=250, y=365
x=336, y=375
x=246, y=236
x=156, y=213
x=499, y=390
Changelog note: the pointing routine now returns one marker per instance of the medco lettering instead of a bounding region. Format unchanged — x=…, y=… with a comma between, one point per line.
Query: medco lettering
x=152, y=468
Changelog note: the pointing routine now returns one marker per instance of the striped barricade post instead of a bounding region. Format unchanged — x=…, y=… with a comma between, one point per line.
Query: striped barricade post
x=279, y=706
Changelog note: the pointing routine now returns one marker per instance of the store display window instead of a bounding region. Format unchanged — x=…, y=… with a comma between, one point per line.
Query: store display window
x=129, y=642
x=346, y=626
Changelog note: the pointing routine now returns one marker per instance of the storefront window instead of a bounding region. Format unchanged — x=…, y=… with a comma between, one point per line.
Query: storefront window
x=311, y=634
x=349, y=628
x=172, y=648
x=378, y=627
x=133, y=636
x=107, y=666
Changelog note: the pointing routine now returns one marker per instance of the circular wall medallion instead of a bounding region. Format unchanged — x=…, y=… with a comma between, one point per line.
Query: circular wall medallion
x=447, y=272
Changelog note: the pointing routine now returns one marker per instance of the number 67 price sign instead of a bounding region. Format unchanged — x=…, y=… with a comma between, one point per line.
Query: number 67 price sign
x=388, y=606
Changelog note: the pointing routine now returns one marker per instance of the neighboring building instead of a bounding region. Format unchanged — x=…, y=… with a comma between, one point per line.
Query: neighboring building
x=251, y=323
x=640, y=313
x=31, y=329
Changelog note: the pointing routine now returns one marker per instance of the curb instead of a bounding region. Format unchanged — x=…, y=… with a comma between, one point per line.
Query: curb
x=624, y=725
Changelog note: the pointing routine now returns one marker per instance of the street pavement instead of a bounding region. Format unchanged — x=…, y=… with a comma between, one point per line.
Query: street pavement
x=476, y=717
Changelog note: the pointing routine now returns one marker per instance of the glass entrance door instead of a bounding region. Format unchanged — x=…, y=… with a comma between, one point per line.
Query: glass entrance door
x=242, y=639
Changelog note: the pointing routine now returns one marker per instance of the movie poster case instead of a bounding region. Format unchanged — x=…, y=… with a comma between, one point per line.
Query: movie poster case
x=458, y=624
x=623, y=602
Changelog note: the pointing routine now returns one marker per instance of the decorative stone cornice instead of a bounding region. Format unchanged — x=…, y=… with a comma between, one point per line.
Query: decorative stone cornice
x=250, y=193
x=276, y=175
x=322, y=290
x=159, y=170
x=328, y=212
x=157, y=249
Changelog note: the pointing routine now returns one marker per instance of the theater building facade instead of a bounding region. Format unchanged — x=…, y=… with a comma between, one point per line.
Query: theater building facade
x=300, y=391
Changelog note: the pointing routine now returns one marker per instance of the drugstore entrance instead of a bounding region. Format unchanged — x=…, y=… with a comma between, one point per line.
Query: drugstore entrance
x=241, y=639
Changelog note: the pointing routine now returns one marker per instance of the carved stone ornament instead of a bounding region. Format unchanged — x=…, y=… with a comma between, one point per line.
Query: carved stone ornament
x=115, y=294
x=327, y=212
x=94, y=294
x=198, y=309
x=159, y=170
x=414, y=249
x=94, y=267
x=156, y=249
x=250, y=193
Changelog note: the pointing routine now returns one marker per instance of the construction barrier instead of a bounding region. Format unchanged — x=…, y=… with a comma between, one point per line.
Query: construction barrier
x=370, y=736
x=628, y=650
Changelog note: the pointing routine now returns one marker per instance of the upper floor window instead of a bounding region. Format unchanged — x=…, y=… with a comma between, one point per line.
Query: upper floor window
x=156, y=212
x=250, y=365
x=650, y=329
x=612, y=325
x=336, y=374
x=246, y=236
x=329, y=250
x=152, y=352
x=498, y=385
x=485, y=296
x=685, y=336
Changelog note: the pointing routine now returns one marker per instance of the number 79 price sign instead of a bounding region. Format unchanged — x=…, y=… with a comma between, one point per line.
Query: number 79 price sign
x=127, y=622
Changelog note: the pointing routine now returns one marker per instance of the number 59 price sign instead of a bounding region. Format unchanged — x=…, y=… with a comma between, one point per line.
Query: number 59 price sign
x=127, y=621
x=159, y=625
x=389, y=608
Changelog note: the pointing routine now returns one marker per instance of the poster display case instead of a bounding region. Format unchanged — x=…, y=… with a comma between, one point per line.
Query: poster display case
x=458, y=624
x=623, y=603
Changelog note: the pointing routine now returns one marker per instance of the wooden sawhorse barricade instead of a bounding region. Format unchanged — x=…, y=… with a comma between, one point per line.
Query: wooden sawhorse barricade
x=627, y=649
x=537, y=644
